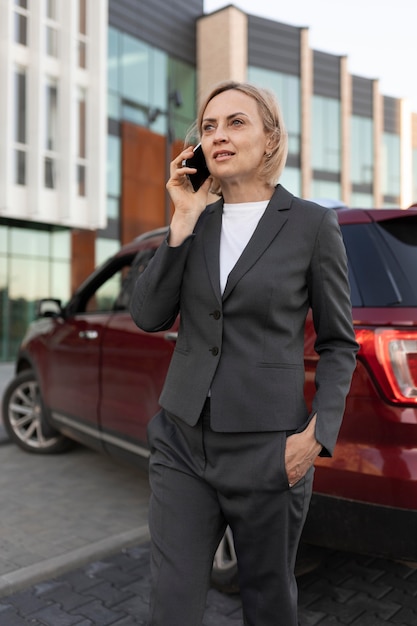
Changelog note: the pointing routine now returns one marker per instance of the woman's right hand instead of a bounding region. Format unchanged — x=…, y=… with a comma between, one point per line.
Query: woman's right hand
x=188, y=204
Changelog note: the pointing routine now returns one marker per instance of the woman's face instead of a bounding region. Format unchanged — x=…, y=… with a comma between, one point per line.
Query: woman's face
x=233, y=139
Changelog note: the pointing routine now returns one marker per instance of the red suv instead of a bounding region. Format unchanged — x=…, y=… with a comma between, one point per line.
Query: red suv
x=85, y=372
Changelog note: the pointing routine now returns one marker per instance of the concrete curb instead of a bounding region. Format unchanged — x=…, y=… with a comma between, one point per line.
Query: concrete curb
x=56, y=566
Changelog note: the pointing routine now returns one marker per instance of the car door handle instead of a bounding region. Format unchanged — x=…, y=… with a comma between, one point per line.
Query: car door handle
x=171, y=336
x=88, y=334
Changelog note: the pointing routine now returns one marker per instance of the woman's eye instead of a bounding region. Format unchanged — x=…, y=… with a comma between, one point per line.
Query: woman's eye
x=207, y=128
x=237, y=122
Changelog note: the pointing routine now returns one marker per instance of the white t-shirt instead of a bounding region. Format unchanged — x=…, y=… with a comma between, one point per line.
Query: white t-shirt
x=238, y=224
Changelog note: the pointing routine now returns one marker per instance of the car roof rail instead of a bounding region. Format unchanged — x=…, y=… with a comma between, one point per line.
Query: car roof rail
x=151, y=233
x=330, y=203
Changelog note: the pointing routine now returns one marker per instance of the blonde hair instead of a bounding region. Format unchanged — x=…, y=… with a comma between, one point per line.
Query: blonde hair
x=273, y=122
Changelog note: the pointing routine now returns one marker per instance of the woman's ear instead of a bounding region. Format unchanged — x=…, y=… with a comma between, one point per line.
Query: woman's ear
x=272, y=141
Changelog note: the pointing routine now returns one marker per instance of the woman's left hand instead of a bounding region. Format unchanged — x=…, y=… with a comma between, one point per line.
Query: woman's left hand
x=300, y=452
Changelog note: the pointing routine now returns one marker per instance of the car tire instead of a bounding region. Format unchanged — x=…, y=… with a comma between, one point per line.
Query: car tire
x=25, y=417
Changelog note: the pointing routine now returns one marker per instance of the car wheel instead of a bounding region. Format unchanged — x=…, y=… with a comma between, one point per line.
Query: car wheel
x=224, y=573
x=24, y=417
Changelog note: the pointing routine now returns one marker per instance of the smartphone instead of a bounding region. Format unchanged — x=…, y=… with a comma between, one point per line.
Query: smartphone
x=199, y=162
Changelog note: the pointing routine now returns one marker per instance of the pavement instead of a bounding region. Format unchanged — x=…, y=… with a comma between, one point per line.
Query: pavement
x=74, y=551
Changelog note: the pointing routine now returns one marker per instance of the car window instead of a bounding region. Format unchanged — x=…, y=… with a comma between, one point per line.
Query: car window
x=104, y=297
x=382, y=262
x=110, y=287
x=101, y=289
x=138, y=266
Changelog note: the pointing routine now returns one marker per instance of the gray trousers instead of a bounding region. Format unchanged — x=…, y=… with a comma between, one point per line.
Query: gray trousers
x=201, y=481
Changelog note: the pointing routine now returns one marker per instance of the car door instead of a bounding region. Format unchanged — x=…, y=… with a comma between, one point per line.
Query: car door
x=73, y=381
x=72, y=384
x=133, y=368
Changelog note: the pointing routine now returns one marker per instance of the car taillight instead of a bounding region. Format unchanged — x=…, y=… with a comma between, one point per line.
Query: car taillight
x=392, y=357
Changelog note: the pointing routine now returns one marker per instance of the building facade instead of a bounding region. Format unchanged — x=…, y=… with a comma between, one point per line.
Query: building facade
x=52, y=151
x=99, y=94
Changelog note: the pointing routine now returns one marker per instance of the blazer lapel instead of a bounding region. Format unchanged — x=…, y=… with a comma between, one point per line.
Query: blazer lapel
x=211, y=243
x=267, y=229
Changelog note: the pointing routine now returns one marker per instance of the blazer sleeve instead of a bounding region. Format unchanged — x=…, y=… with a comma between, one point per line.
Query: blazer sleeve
x=155, y=300
x=335, y=344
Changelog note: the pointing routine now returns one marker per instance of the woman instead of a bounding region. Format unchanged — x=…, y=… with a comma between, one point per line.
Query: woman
x=234, y=442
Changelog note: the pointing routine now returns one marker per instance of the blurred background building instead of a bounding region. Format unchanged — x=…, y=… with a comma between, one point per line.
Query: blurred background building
x=97, y=95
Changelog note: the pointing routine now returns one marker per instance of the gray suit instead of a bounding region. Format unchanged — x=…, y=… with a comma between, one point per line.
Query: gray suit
x=247, y=345
x=245, y=349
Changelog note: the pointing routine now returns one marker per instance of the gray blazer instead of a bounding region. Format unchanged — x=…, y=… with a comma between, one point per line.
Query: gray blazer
x=246, y=347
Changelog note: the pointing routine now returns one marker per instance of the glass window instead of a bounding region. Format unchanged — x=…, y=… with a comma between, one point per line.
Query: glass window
x=3, y=241
x=414, y=191
x=81, y=119
x=135, y=68
x=287, y=89
x=112, y=207
x=51, y=30
x=81, y=165
x=325, y=189
x=105, y=296
x=21, y=311
x=51, y=132
x=326, y=140
x=113, y=44
x=50, y=173
x=61, y=245
x=27, y=242
x=60, y=279
x=391, y=159
x=383, y=260
x=82, y=54
x=182, y=81
x=105, y=248
x=143, y=79
x=21, y=28
x=82, y=33
x=139, y=265
x=51, y=41
x=4, y=310
x=113, y=165
x=51, y=9
x=135, y=114
x=20, y=167
x=362, y=150
x=291, y=179
x=113, y=105
x=20, y=105
x=30, y=280
x=361, y=200
x=34, y=263
x=158, y=79
x=81, y=178
x=51, y=112
x=82, y=17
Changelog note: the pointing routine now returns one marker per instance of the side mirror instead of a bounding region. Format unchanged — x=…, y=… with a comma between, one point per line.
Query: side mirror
x=49, y=307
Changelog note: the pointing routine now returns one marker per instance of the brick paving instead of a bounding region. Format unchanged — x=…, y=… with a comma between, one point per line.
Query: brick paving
x=74, y=551
x=114, y=591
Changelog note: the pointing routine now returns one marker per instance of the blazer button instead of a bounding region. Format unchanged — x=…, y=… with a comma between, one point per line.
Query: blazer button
x=214, y=351
x=216, y=314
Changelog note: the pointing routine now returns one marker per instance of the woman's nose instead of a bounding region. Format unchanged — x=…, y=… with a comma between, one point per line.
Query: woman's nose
x=220, y=134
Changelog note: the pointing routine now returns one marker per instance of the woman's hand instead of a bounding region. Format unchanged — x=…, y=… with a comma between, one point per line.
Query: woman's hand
x=188, y=205
x=300, y=452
